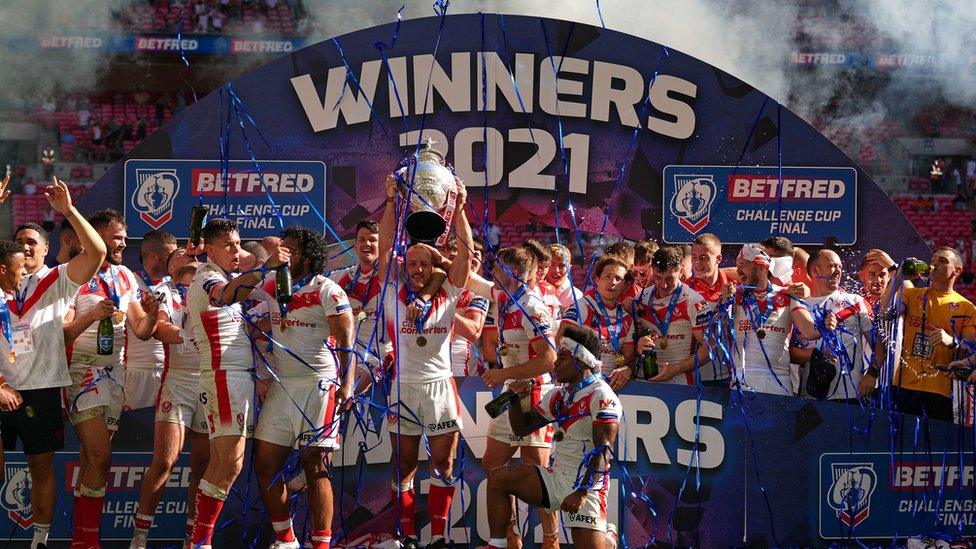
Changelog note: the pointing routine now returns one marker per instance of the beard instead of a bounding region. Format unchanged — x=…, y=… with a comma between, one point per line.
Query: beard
x=111, y=259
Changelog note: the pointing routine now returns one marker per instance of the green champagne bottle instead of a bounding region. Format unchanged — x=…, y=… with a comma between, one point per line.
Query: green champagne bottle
x=915, y=267
x=961, y=373
x=501, y=403
x=647, y=363
x=105, y=337
x=283, y=284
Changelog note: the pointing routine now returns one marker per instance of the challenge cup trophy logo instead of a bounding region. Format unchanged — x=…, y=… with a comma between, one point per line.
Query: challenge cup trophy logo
x=692, y=201
x=850, y=492
x=434, y=195
x=154, y=196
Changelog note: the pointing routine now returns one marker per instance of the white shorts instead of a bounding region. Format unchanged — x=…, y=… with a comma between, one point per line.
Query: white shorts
x=179, y=402
x=94, y=392
x=141, y=387
x=297, y=415
x=228, y=396
x=761, y=380
x=592, y=514
x=432, y=408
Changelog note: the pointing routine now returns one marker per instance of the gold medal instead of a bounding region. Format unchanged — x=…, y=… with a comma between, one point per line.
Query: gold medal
x=118, y=317
x=421, y=341
x=503, y=351
x=662, y=343
x=558, y=436
x=11, y=356
x=619, y=359
x=761, y=334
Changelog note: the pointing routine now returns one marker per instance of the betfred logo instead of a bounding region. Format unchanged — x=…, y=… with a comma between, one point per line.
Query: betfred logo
x=155, y=43
x=766, y=188
x=16, y=495
x=210, y=182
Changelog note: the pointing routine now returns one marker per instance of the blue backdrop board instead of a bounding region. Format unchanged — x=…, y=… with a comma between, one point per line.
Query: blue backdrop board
x=640, y=141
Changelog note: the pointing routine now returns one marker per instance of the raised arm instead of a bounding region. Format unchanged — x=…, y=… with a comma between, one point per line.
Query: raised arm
x=387, y=226
x=461, y=265
x=84, y=265
x=241, y=287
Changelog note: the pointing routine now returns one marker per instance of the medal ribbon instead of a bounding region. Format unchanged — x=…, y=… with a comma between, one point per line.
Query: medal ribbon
x=21, y=297
x=350, y=288
x=412, y=297
x=110, y=285
x=7, y=324
x=663, y=325
x=758, y=317
x=590, y=379
x=613, y=328
x=516, y=297
x=149, y=283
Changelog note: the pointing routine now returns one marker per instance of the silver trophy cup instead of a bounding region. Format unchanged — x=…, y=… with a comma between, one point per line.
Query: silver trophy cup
x=434, y=186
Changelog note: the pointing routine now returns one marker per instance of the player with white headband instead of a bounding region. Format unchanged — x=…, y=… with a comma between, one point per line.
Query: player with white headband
x=764, y=314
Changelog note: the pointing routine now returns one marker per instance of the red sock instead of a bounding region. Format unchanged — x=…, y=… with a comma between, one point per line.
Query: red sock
x=408, y=510
x=87, y=519
x=438, y=505
x=207, y=511
x=282, y=528
x=321, y=539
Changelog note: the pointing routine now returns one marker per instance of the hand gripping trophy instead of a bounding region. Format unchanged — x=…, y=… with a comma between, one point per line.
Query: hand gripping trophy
x=434, y=195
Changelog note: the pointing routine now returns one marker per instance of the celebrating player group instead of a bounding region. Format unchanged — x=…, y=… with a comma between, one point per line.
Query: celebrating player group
x=266, y=341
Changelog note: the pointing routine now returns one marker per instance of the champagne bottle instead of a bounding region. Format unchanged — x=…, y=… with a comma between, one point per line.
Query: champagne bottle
x=198, y=218
x=961, y=373
x=283, y=284
x=647, y=363
x=501, y=403
x=105, y=337
x=914, y=267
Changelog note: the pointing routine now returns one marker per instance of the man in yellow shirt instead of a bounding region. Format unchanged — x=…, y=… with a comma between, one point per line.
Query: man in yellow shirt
x=935, y=319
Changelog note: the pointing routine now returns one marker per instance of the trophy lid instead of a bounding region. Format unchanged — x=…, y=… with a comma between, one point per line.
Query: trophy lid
x=429, y=154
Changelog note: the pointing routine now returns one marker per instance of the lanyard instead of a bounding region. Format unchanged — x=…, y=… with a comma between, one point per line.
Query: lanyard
x=110, y=285
x=21, y=297
x=8, y=330
x=613, y=328
x=301, y=283
x=515, y=298
x=590, y=379
x=350, y=288
x=663, y=325
x=149, y=283
x=756, y=316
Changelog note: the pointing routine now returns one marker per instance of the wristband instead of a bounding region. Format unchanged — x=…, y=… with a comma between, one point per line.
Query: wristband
x=873, y=371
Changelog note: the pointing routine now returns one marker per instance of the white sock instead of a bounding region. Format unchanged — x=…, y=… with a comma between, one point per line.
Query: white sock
x=501, y=543
x=40, y=534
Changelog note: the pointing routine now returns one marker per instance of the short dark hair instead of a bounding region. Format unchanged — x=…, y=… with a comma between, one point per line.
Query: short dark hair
x=644, y=251
x=255, y=248
x=777, y=246
x=515, y=257
x=622, y=250
x=155, y=241
x=217, y=228
x=538, y=250
x=954, y=253
x=34, y=227
x=103, y=218
x=368, y=224
x=313, y=245
x=609, y=259
x=667, y=258
x=584, y=336
x=8, y=249
x=477, y=244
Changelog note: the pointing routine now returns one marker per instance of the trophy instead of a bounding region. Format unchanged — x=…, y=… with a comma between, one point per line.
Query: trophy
x=434, y=196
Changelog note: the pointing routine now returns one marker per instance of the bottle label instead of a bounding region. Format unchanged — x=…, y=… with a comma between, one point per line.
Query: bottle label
x=106, y=343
